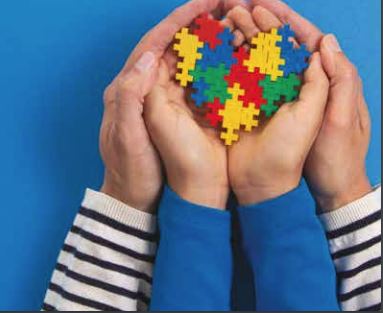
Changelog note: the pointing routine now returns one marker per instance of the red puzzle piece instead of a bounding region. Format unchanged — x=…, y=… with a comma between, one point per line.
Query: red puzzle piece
x=212, y=116
x=208, y=30
x=249, y=82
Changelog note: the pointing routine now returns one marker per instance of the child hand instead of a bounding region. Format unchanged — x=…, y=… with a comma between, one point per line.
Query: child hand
x=269, y=161
x=194, y=157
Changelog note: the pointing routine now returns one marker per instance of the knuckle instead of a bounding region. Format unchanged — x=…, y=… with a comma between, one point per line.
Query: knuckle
x=339, y=121
x=127, y=86
x=323, y=80
x=108, y=95
x=350, y=72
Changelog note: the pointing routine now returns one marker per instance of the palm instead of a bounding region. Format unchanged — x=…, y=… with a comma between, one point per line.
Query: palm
x=194, y=145
x=259, y=153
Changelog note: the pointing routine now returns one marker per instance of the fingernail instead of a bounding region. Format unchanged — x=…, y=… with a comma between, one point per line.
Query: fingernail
x=332, y=43
x=146, y=61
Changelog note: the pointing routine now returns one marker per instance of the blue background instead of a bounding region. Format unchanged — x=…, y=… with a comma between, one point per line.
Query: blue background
x=56, y=57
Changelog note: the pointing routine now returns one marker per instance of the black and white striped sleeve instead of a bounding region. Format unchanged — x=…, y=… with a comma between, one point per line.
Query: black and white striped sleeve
x=354, y=234
x=107, y=259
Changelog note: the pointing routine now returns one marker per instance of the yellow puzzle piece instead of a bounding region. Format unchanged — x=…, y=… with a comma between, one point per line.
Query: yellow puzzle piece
x=266, y=55
x=187, y=48
x=234, y=115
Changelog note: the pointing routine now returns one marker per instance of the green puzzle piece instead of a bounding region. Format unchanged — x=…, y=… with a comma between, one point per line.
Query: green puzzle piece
x=274, y=90
x=215, y=78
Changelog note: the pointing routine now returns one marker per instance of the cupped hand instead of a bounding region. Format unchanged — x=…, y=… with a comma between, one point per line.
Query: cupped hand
x=132, y=166
x=336, y=166
x=193, y=155
x=269, y=161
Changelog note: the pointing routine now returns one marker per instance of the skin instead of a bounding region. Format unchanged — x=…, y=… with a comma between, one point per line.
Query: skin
x=334, y=166
x=133, y=171
x=202, y=174
x=277, y=149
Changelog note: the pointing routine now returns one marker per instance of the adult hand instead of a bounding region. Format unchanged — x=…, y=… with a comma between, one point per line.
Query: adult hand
x=269, y=161
x=132, y=166
x=335, y=168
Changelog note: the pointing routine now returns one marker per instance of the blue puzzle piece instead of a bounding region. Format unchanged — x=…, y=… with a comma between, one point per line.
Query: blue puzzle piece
x=222, y=54
x=199, y=96
x=296, y=59
x=226, y=50
x=209, y=58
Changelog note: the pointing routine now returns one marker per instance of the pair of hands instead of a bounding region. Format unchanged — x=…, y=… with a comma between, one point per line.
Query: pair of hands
x=323, y=135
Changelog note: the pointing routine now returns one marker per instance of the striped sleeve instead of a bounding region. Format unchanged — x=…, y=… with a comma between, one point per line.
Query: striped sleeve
x=354, y=235
x=106, y=261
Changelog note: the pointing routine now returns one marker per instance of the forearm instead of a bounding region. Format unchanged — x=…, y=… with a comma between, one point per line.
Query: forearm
x=354, y=235
x=193, y=266
x=289, y=255
x=106, y=261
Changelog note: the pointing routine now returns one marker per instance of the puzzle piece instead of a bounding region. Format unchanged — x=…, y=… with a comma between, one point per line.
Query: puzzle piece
x=198, y=95
x=273, y=91
x=222, y=54
x=214, y=78
x=248, y=81
x=295, y=58
x=212, y=116
x=208, y=30
x=236, y=86
x=187, y=49
x=266, y=55
x=234, y=115
x=248, y=117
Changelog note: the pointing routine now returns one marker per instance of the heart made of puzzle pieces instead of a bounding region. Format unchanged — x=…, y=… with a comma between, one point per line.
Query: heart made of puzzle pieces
x=235, y=84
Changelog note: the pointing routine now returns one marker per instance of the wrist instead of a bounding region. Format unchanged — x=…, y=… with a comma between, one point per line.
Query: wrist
x=256, y=194
x=129, y=196
x=212, y=196
x=349, y=193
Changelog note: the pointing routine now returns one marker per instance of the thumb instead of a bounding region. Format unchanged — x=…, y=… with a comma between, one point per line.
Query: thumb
x=134, y=85
x=344, y=80
x=312, y=100
x=131, y=88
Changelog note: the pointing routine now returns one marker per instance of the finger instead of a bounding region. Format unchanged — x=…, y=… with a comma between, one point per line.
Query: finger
x=109, y=102
x=239, y=38
x=131, y=89
x=313, y=95
x=364, y=114
x=230, y=4
x=243, y=20
x=228, y=23
x=160, y=37
x=265, y=19
x=344, y=81
x=305, y=31
x=156, y=104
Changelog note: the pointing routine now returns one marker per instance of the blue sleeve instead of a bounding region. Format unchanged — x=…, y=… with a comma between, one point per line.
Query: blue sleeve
x=193, y=267
x=289, y=255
